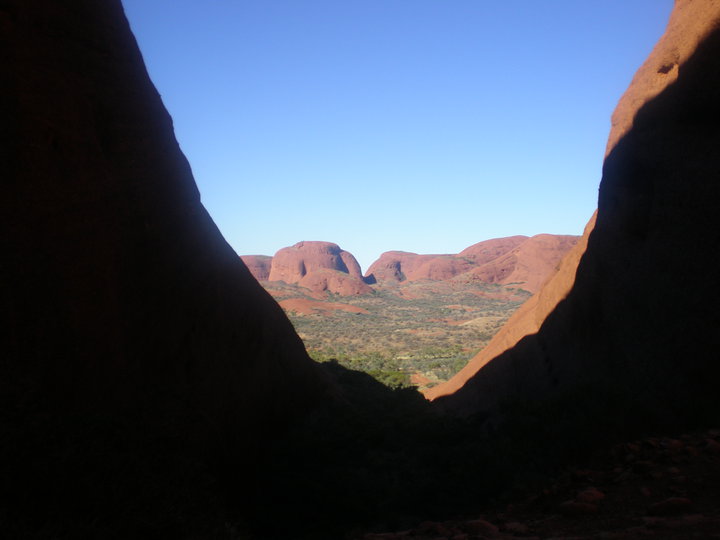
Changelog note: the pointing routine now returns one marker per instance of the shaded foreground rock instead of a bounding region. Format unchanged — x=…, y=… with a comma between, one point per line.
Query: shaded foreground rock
x=689, y=25
x=626, y=505
x=525, y=321
x=132, y=329
x=146, y=377
x=638, y=331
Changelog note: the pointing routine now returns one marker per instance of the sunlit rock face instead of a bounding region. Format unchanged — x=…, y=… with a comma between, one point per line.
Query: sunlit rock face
x=396, y=266
x=528, y=318
x=259, y=265
x=320, y=267
x=526, y=266
x=640, y=321
x=119, y=292
x=518, y=260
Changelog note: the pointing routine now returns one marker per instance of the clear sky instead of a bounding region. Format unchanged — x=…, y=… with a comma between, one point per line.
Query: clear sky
x=414, y=125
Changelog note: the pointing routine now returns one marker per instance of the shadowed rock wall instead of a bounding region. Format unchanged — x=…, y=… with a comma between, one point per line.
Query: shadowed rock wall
x=526, y=320
x=640, y=323
x=119, y=292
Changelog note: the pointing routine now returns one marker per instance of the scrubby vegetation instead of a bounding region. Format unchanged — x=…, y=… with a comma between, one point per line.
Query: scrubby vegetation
x=426, y=329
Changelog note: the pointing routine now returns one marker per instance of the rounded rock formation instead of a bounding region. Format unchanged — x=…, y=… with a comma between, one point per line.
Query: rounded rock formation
x=528, y=265
x=319, y=266
x=396, y=266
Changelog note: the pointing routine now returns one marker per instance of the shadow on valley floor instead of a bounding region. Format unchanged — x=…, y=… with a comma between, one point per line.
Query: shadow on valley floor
x=375, y=460
x=386, y=459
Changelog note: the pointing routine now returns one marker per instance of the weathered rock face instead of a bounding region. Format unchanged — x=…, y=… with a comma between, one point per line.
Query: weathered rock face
x=393, y=266
x=122, y=299
x=259, y=265
x=639, y=325
x=526, y=320
x=319, y=266
x=334, y=281
x=514, y=259
x=484, y=252
x=404, y=266
x=492, y=261
x=528, y=265
x=440, y=268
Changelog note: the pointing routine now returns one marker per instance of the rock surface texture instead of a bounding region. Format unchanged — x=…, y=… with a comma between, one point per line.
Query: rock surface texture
x=512, y=260
x=528, y=265
x=259, y=265
x=127, y=315
x=488, y=250
x=657, y=487
x=319, y=266
x=395, y=266
x=525, y=321
x=639, y=324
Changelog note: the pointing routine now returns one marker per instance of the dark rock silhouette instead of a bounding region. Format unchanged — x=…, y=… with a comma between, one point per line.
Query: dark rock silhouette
x=148, y=385
x=638, y=330
x=131, y=330
x=626, y=495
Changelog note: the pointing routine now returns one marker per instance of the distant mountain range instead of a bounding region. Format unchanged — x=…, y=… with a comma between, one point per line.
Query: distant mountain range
x=323, y=267
x=419, y=315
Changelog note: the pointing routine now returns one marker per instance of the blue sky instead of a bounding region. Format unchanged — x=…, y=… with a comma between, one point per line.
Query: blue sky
x=416, y=125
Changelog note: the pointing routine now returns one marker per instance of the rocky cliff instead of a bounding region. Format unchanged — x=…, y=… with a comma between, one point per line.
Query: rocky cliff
x=319, y=266
x=525, y=262
x=395, y=266
x=259, y=265
x=130, y=325
x=488, y=250
x=404, y=266
x=528, y=265
x=638, y=327
x=526, y=320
